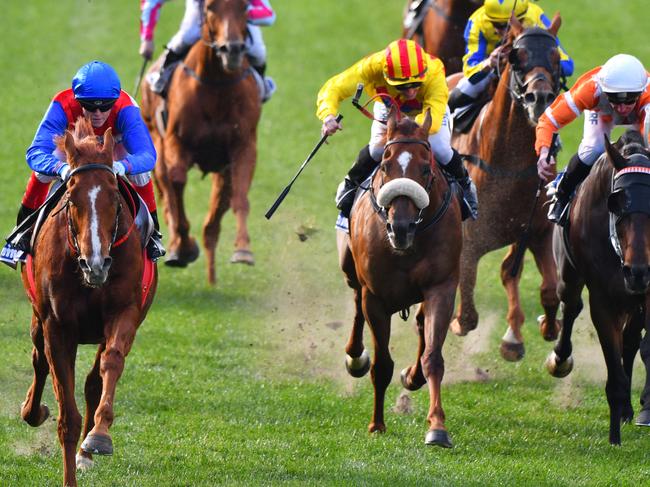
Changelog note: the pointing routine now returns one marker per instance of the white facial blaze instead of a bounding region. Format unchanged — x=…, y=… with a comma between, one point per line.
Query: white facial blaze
x=404, y=158
x=94, y=225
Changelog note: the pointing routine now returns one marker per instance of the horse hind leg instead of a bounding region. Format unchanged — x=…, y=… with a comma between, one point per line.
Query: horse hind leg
x=219, y=204
x=466, y=318
x=92, y=394
x=512, y=344
x=241, y=178
x=412, y=377
x=543, y=252
x=31, y=410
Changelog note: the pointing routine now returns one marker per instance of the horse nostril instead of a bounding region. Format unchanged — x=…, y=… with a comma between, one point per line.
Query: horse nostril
x=530, y=98
x=107, y=263
x=550, y=98
x=84, y=265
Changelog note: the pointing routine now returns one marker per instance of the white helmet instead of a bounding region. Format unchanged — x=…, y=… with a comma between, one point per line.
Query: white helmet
x=622, y=74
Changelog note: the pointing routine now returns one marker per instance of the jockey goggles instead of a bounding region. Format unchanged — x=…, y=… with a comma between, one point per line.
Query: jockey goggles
x=101, y=105
x=408, y=86
x=623, y=98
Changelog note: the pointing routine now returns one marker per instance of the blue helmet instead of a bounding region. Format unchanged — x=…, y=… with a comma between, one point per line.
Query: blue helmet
x=96, y=80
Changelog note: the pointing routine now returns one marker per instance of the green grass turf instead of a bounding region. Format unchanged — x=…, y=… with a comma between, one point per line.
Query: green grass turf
x=243, y=384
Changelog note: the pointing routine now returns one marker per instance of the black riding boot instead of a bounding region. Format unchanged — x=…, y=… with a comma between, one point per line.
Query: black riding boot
x=457, y=170
x=458, y=99
x=358, y=173
x=160, y=79
x=17, y=250
x=155, y=247
x=576, y=172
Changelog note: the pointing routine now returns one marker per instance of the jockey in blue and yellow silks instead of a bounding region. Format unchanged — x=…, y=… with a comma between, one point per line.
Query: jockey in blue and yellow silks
x=483, y=36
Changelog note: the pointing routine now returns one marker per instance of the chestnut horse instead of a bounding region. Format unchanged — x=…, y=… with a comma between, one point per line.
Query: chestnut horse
x=607, y=248
x=404, y=248
x=84, y=282
x=213, y=109
x=442, y=30
x=501, y=144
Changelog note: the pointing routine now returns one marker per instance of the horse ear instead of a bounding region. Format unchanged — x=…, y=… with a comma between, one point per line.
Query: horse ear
x=516, y=27
x=392, y=119
x=426, y=125
x=69, y=146
x=614, y=156
x=555, y=24
x=109, y=143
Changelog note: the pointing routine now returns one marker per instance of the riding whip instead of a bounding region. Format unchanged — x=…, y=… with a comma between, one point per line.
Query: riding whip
x=522, y=243
x=286, y=190
x=139, y=78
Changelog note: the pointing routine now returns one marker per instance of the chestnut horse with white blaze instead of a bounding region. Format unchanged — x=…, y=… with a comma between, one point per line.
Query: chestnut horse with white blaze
x=404, y=248
x=606, y=247
x=501, y=151
x=89, y=282
x=213, y=108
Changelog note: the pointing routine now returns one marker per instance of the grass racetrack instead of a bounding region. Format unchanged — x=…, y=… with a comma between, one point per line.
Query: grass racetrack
x=244, y=383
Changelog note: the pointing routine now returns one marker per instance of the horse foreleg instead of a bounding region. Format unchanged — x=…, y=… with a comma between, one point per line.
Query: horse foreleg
x=381, y=370
x=631, y=341
x=643, y=419
x=183, y=249
x=242, y=170
x=438, y=308
x=559, y=362
x=609, y=328
x=543, y=252
x=92, y=393
x=31, y=410
x=412, y=377
x=120, y=336
x=219, y=204
x=61, y=353
x=512, y=344
x=466, y=316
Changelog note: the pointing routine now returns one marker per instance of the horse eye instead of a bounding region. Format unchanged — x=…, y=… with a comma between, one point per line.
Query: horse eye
x=383, y=167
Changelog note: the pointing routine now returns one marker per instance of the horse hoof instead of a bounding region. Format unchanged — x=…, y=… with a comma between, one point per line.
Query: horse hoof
x=83, y=463
x=376, y=428
x=438, y=438
x=548, y=334
x=556, y=368
x=643, y=419
x=98, y=444
x=457, y=329
x=512, y=352
x=173, y=259
x=43, y=414
x=411, y=386
x=242, y=257
x=359, y=366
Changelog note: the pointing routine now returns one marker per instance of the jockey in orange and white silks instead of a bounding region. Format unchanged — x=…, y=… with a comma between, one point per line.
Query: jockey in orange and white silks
x=484, y=33
x=259, y=14
x=95, y=94
x=415, y=81
x=616, y=93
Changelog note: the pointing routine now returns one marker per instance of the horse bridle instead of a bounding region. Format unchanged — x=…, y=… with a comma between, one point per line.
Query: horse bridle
x=538, y=52
x=73, y=243
x=383, y=212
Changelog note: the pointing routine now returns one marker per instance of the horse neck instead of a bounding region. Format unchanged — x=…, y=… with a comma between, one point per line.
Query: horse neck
x=509, y=130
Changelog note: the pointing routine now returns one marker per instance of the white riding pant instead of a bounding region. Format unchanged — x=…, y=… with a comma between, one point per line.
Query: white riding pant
x=474, y=90
x=592, y=145
x=440, y=141
x=190, y=32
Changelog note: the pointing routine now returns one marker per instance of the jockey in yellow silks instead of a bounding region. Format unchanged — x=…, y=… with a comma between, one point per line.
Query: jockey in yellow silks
x=484, y=33
x=413, y=80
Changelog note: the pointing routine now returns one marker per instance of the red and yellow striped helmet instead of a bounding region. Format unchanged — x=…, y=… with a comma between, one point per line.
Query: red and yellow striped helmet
x=405, y=63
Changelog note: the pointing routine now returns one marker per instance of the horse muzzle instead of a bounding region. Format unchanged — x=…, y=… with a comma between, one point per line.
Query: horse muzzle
x=636, y=278
x=95, y=271
x=231, y=54
x=401, y=234
x=536, y=103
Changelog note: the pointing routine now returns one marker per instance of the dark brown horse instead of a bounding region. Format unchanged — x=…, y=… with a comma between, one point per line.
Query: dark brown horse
x=89, y=283
x=214, y=107
x=504, y=171
x=442, y=28
x=607, y=248
x=404, y=248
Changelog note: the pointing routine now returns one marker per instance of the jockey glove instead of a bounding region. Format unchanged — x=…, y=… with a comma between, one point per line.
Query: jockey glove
x=119, y=169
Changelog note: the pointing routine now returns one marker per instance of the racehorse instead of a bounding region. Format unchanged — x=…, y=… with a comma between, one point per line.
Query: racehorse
x=213, y=108
x=86, y=282
x=503, y=167
x=404, y=248
x=607, y=248
x=442, y=29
